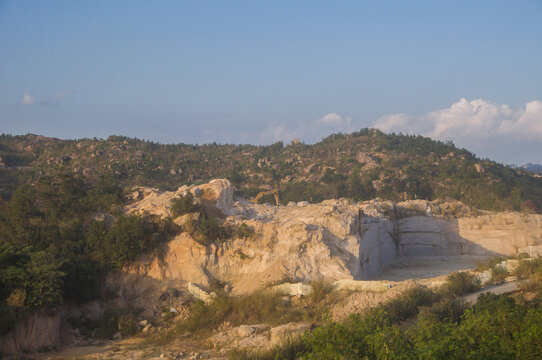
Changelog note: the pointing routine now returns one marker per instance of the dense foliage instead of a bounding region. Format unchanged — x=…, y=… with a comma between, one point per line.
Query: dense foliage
x=497, y=327
x=361, y=165
x=426, y=324
x=57, y=239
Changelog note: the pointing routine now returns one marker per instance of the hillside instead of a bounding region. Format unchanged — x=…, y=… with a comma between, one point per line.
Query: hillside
x=362, y=165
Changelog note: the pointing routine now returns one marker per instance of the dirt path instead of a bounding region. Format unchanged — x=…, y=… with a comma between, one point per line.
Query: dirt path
x=495, y=289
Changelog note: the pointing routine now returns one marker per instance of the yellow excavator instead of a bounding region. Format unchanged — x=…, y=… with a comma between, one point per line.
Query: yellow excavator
x=263, y=193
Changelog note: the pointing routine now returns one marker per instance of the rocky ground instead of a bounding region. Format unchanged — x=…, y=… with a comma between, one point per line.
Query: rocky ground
x=221, y=343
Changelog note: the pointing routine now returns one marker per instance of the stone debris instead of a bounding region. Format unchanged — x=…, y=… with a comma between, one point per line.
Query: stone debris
x=199, y=293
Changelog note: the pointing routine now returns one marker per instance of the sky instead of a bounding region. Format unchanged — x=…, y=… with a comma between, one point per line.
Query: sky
x=264, y=71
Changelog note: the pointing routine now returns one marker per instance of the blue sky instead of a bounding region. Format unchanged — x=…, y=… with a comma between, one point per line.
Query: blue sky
x=259, y=72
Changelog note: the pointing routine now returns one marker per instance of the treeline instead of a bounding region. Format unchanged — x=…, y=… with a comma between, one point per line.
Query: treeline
x=60, y=236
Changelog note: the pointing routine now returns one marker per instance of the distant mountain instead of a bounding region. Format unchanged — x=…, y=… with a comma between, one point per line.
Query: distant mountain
x=361, y=165
x=534, y=168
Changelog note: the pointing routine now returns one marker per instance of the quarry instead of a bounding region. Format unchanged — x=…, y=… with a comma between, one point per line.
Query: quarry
x=366, y=253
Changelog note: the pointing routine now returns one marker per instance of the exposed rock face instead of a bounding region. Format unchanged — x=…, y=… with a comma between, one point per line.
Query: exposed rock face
x=333, y=240
x=36, y=332
x=218, y=193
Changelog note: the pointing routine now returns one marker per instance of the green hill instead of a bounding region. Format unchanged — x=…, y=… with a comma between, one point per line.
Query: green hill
x=361, y=165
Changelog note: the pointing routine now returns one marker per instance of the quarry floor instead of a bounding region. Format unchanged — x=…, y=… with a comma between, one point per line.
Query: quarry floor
x=427, y=267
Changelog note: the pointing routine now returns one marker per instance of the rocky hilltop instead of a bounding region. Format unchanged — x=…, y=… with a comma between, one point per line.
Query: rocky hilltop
x=361, y=166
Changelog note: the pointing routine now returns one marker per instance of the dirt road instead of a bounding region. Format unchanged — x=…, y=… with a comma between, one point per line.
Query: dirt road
x=495, y=289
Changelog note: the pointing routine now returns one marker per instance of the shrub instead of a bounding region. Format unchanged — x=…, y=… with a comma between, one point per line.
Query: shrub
x=183, y=204
x=290, y=350
x=406, y=305
x=259, y=307
x=447, y=310
x=498, y=274
x=244, y=231
x=319, y=289
x=114, y=320
x=127, y=323
x=489, y=263
x=531, y=270
x=206, y=229
x=528, y=268
x=459, y=284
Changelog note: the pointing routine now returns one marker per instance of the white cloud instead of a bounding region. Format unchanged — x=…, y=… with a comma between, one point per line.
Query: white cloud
x=334, y=119
x=277, y=131
x=470, y=121
x=55, y=101
x=392, y=122
x=27, y=99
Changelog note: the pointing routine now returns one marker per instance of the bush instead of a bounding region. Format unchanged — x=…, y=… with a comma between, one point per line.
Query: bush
x=489, y=263
x=183, y=204
x=206, y=229
x=496, y=328
x=527, y=268
x=319, y=289
x=446, y=310
x=406, y=305
x=244, y=231
x=114, y=320
x=531, y=271
x=130, y=237
x=498, y=274
x=263, y=306
x=459, y=284
x=290, y=350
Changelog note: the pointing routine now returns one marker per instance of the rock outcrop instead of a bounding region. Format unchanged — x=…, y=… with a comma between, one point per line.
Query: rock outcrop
x=37, y=332
x=333, y=240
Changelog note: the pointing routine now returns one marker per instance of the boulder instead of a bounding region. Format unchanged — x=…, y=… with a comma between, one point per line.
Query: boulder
x=146, y=328
x=200, y=294
x=251, y=330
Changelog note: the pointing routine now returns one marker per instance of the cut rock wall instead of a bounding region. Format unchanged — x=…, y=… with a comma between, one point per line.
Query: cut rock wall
x=333, y=240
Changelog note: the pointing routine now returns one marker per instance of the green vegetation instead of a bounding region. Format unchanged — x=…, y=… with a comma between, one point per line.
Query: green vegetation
x=113, y=321
x=459, y=284
x=205, y=228
x=259, y=307
x=361, y=165
x=489, y=263
x=495, y=328
x=531, y=273
x=425, y=324
x=183, y=204
x=244, y=231
x=58, y=240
